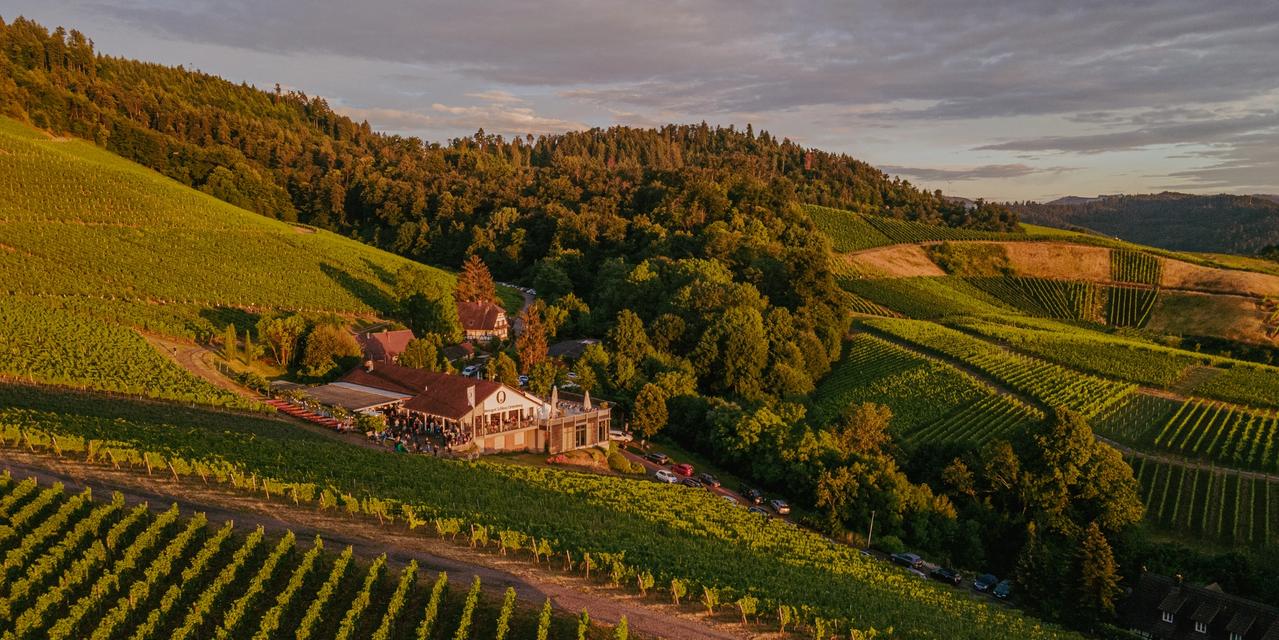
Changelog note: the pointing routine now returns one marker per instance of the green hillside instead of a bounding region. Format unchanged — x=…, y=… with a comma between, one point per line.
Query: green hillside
x=93, y=246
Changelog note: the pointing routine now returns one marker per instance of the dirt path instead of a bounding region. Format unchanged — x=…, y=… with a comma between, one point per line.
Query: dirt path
x=191, y=356
x=646, y=617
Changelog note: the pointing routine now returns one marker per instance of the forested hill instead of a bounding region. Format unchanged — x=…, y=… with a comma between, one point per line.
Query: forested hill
x=290, y=156
x=1183, y=222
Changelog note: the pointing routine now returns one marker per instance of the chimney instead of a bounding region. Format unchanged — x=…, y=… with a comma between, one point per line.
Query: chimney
x=368, y=365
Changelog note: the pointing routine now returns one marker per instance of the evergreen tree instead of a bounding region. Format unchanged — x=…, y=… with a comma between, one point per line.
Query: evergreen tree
x=228, y=343
x=1098, y=575
x=531, y=343
x=475, y=283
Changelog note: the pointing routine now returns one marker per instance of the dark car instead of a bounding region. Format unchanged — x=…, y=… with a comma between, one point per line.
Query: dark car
x=1004, y=589
x=907, y=560
x=780, y=506
x=760, y=510
x=684, y=469
x=947, y=575
x=691, y=483
x=709, y=480
x=658, y=458
x=985, y=582
x=753, y=496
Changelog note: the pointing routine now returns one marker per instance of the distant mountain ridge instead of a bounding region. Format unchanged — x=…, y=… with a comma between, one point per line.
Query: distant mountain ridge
x=1220, y=223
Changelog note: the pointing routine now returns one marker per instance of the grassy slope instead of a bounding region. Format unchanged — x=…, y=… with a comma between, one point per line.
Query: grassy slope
x=92, y=246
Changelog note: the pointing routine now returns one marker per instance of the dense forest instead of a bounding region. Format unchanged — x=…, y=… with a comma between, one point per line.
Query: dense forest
x=1182, y=222
x=684, y=247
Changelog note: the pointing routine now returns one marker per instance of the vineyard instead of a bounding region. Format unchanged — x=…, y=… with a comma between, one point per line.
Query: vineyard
x=1052, y=384
x=79, y=221
x=1215, y=432
x=919, y=390
x=848, y=231
x=1214, y=504
x=42, y=342
x=1127, y=265
x=926, y=297
x=1129, y=306
x=995, y=416
x=861, y=305
x=76, y=568
x=906, y=231
x=622, y=525
x=1062, y=299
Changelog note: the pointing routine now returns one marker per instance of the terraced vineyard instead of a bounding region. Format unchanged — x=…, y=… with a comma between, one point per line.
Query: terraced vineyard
x=1050, y=383
x=1220, y=505
x=1129, y=306
x=862, y=305
x=1214, y=432
x=848, y=231
x=1128, y=265
x=906, y=231
x=76, y=568
x=926, y=297
x=1061, y=299
x=995, y=416
x=919, y=390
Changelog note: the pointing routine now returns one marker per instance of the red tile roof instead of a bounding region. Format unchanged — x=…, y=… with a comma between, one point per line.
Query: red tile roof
x=439, y=394
x=479, y=316
x=384, y=345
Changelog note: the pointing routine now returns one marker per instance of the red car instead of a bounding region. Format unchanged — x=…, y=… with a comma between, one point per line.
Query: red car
x=683, y=469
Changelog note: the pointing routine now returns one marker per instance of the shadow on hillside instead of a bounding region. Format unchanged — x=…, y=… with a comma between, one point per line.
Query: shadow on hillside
x=220, y=317
x=385, y=276
x=367, y=292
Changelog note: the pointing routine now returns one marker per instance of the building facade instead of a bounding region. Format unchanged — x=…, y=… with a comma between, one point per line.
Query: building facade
x=1166, y=608
x=483, y=321
x=491, y=416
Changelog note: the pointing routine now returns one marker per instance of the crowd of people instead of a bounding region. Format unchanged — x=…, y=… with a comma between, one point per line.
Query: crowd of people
x=415, y=434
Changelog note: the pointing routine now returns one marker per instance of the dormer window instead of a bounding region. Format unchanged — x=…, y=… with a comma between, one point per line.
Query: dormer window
x=1201, y=627
x=1168, y=617
x=1235, y=636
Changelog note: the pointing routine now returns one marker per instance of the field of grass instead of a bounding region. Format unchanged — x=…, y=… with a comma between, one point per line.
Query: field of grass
x=711, y=542
x=1212, y=504
x=92, y=246
x=75, y=567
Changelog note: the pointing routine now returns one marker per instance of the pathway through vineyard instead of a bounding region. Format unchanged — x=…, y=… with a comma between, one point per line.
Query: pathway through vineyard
x=647, y=617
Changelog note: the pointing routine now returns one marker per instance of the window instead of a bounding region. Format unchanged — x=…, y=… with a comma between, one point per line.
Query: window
x=581, y=434
x=1201, y=627
x=1167, y=616
x=1235, y=636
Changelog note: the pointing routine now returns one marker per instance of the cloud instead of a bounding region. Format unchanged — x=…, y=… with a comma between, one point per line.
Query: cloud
x=1167, y=133
x=982, y=172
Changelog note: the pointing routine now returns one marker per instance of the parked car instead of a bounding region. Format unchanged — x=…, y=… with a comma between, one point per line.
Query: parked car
x=947, y=575
x=917, y=573
x=523, y=381
x=760, y=510
x=684, y=469
x=1004, y=589
x=470, y=370
x=779, y=506
x=753, y=496
x=709, y=480
x=985, y=582
x=666, y=476
x=908, y=559
x=658, y=458
x=620, y=436
x=730, y=499
x=691, y=483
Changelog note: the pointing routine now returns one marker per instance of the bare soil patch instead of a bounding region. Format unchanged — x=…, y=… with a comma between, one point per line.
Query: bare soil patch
x=1183, y=275
x=897, y=261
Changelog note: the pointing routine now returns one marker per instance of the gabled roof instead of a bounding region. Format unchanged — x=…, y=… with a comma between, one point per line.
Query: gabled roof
x=1223, y=613
x=439, y=394
x=384, y=344
x=479, y=316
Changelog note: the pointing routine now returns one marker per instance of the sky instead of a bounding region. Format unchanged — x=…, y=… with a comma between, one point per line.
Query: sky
x=1001, y=99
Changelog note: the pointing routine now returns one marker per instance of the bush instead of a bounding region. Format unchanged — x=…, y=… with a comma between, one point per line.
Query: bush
x=620, y=463
x=890, y=544
x=254, y=381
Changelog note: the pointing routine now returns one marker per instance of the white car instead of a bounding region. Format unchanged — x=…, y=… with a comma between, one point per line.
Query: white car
x=620, y=436
x=470, y=370
x=663, y=475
